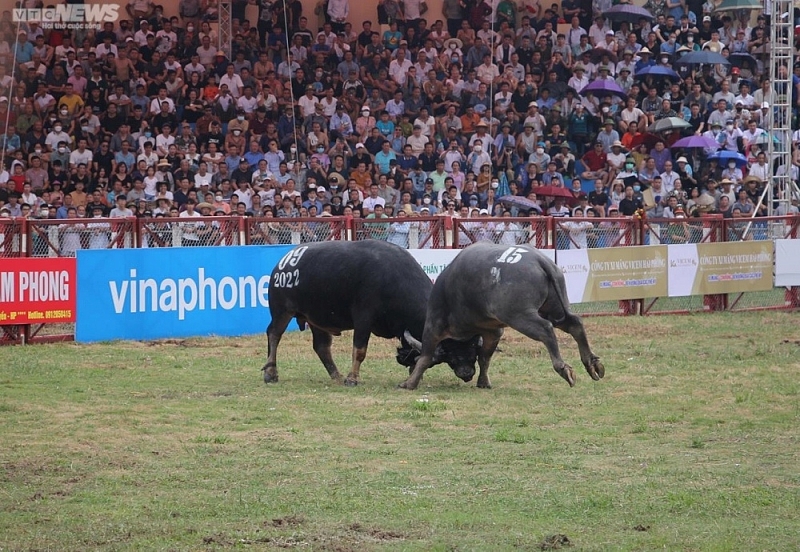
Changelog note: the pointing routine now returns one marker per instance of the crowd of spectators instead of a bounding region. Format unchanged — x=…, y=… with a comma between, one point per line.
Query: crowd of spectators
x=414, y=113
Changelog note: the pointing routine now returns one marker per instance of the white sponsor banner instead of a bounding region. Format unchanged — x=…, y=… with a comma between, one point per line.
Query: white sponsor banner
x=682, y=269
x=434, y=261
x=574, y=263
x=549, y=253
x=787, y=263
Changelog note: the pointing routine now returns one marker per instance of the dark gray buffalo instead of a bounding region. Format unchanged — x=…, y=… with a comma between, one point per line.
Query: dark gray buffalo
x=489, y=287
x=370, y=287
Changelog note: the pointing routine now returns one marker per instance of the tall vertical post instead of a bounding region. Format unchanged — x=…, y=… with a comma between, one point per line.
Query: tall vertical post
x=781, y=62
x=225, y=29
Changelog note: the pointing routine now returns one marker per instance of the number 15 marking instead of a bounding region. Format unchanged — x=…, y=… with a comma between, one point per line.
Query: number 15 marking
x=511, y=255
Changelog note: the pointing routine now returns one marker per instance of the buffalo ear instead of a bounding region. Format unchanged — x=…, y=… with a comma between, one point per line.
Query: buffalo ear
x=413, y=342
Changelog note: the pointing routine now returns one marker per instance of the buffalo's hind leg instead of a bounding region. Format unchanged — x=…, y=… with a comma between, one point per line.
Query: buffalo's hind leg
x=573, y=325
x=322, y=346
x=275, y=331
x=360, y=342
x=537, y=328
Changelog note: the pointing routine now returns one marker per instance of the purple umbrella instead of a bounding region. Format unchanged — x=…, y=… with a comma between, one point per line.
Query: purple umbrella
x=628, y=12
x=600, y=87
x=695, y=142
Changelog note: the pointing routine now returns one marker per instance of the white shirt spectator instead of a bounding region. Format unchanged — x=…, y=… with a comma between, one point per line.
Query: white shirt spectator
x=370, y=203
x=398, y=70
x=77, y=157
x=307, y=105
x=234, y=83
x=200, y=179
x=249, y=105
x=155, y=105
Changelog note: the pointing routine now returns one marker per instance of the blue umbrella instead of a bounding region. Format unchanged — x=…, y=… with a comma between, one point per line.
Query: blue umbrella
x=703, y=56
x=604, y=86
x=657, y=71
x=724, y=156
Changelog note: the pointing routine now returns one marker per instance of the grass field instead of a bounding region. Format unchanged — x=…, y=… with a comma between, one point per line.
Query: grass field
x=691, y=442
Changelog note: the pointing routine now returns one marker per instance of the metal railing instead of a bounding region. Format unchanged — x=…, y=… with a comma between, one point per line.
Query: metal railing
x=64, y=238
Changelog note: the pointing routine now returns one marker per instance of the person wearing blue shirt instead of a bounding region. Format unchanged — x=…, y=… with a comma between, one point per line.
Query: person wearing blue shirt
x=383, y=157
x=644, y=60
x=232, y=159
x=128, y=158
x=408, y=160
x=312, y=200
x=10, y=141
x=254, y=155
x=385, y=126
x=341, y=125
x=24, y=49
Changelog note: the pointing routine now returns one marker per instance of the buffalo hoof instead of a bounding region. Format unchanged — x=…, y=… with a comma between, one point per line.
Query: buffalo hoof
x=270, y=378
x=270, y=373
x=567, y=373
x=350, y=382
x=598, y=369
x=484, y=384
x=407, y=385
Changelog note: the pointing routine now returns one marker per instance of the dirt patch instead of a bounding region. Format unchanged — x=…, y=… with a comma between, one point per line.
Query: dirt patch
x=378, y=534
x=641, y=528
x=219, y=540
x=288, y=521
x=555, y=542
x=162, y=342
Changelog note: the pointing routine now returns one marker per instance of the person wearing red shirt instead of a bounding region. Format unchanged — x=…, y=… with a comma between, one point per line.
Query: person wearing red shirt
x=596, y=165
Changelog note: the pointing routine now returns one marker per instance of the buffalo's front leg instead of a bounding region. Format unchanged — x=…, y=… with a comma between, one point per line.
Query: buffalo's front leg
x=431, y=337
x=489, y=346
x=573, y=325
x=360, y=343
x=322, y=346
x=275, y=331
x=534, y=326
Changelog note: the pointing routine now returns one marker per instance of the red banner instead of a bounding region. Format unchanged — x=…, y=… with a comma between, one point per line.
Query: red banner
x=37, y=291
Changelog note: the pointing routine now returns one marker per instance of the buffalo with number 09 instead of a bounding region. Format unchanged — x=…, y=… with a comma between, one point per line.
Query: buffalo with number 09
x=370, y=287
x=489, y=287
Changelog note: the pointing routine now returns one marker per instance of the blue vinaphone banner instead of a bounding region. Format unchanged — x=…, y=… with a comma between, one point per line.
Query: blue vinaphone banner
x=174, y=292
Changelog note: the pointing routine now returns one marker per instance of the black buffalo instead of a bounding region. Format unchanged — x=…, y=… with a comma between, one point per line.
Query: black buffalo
x=370, y=287
x=489, y=287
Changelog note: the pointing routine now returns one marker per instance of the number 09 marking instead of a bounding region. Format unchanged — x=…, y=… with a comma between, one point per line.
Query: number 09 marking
x=511, y=255
x=292, y=257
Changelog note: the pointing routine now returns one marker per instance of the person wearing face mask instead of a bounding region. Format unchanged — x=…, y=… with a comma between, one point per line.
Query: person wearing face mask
x=732, y=172
x=60, y=155
x=478, y=158
x=56, y=136
x=239, y=123
x=731, y=137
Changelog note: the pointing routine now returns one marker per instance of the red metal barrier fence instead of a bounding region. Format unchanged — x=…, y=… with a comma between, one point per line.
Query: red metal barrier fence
x=63, y=238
